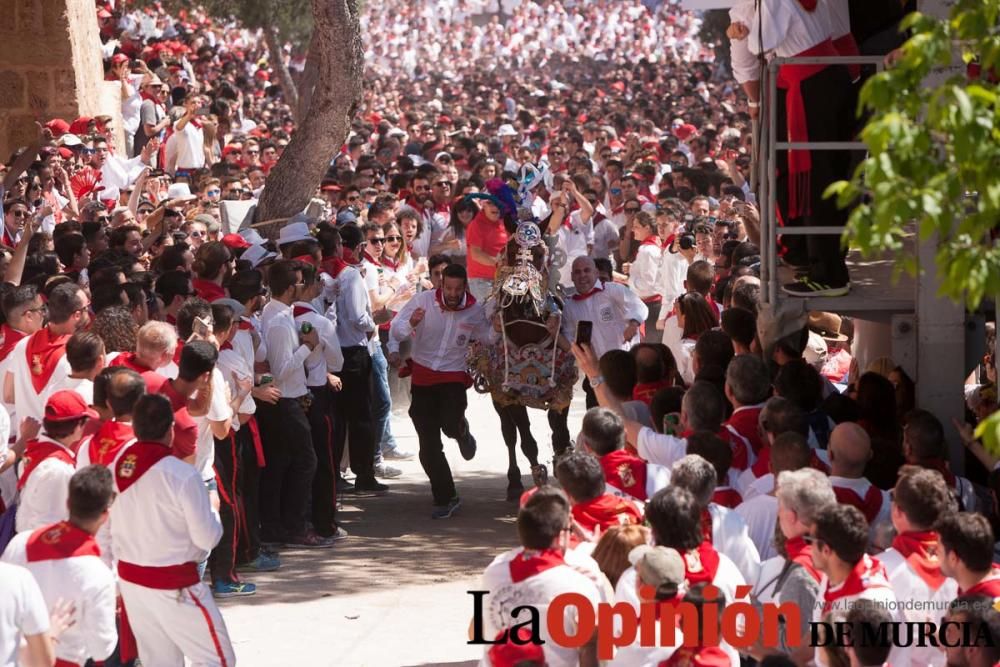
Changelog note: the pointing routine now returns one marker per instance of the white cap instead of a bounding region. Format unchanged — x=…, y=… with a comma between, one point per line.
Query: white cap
x=181, y=191
x=507, y=130
x=257, y=255
x=396, y=132
x=69, y=140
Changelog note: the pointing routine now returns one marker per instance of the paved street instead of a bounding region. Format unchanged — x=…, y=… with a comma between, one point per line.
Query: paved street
x=394, y=593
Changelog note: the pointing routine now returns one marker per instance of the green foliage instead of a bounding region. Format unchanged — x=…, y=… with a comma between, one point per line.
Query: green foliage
x=934, y=151
x=292, y=18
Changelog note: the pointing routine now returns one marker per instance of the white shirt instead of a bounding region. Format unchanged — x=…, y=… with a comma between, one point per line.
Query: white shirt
x=243, y=341
x=760, y=514
x=118, y=174
x=327, y=357
x=28, y=402
x=644, y=272
x=909, y=586
x=218, y=411
x=82, y=386
x=440, y=341
x=43, y=497
x=605, y=239
x=354, y=309
x=86, y=583
x=22, y=611
x=574, y=241
x=165, y=518
x=103, y=535
x=660, y=448
x=285, y=354
x=730, y=537
x=787, y=28
x=232, y=362
x=190, y=146
x=538, y=591
x=610, y=308
x=670, y=282
x=861, y=486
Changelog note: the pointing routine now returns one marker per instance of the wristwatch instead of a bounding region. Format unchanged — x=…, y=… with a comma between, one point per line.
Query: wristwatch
x=596, y=381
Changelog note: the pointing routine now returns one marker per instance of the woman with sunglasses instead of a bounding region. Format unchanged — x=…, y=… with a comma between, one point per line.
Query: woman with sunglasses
x=462, y=213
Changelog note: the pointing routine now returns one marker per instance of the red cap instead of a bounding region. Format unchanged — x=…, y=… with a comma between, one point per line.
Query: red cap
x=65, y=152
x=509, y=653
x=685, y=132
x=58, y=127
x=307, y=259
x=235, y=241
x=444, y=120
x=67, y=405
x=262, y=74
x=104, y=13
x=228, y=150
x=80, y=125
x=330, y=187
x=119, y=58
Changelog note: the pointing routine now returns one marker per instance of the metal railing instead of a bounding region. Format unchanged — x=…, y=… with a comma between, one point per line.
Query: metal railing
x=767, y=165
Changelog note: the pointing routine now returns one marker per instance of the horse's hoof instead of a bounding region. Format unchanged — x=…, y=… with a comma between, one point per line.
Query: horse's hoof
x=514, y=491
x=539, y=475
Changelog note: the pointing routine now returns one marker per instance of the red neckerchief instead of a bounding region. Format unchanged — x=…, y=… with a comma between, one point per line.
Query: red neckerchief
x=38, y=451
x=528, y=563
x=644, y=391
x=626, y=472
x=800, y=552
x=652, y=240
x=808, y=5
x=598, y=287
x=869, y=505
x=919, y=548
x=9, y=337
x=701, y=564
x=706, y=525
x=208, y=290
x=245, y=325
x=137, y=461
x=177, y=352
x=744, y=421
x=942, y=467
x=335, y=265
x=790, y=78
x=302, y=309
x=370, y=258
x=8, y=240
x=867, y=573
x=988, y=586
x=44, y=352
x=171, y=319
x=605, y=511
x=726, y=497
x=58, y=541
x=108, y=441
x=469, y=301
x=697, y=656
x=389, y=263
x=130, y=360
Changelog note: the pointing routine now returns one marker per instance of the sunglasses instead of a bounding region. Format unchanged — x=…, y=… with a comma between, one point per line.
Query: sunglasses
x=632, y=210
x=353, y=197
x=376, y=241
x=393, y=239
x=421, y=188
x=213, y=193
x=144, y=211
x=195, y=234
x=20, y=214
x=442, y=184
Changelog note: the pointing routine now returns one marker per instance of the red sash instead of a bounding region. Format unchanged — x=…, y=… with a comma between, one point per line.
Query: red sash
x=869, y=505
x=919, y=548
x=867, y=573
x=528, y=563
x=701, y=564
x=141, y=456
x=58, y=541
x=423, y=376
x=605, y=511
x=790, y=78
x=108, y=441
x=626, y=472
x=847, y=46
x=38, y=451
x=727, y=497
x=744, y=422
x=644, y=391
x=800, y=552
x=208, y=290
x=989, y=586
x=9, y=337
x=696, y=656
x=511, y=653
x=165, y=578
x=43, y=353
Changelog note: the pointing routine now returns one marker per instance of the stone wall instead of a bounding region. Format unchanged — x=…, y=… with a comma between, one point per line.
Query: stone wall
x=50, y=67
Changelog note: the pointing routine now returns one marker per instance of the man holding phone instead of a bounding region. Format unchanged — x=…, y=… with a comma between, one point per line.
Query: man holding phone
x=187, y=143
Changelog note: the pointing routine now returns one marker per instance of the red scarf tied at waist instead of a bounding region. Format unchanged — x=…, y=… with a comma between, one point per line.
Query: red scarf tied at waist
x=790, y=78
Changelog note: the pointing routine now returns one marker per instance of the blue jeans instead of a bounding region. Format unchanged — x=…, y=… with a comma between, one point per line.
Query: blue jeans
x=381, y=404
x=210, y=485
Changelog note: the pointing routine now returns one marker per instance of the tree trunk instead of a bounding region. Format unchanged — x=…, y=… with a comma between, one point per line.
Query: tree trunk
x=339, y=55
x=307, y=83
x=277, y=63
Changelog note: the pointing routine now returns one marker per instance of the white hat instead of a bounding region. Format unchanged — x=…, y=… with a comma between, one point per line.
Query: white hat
x=506, y=130
x=257, y=255
x=238, y=308
x=69, y=140
x=180, y=191
x=396, y=132
x=252, y=236
x=294, y=231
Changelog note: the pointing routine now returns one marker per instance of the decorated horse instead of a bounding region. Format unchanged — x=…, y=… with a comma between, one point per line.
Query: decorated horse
x=525, y=367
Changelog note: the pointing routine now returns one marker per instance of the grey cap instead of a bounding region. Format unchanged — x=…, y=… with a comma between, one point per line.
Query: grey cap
x=347, y=217
x=657, y=566
x=238, y=308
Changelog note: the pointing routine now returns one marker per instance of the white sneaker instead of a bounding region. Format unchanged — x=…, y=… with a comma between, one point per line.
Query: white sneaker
x=398, y=455
x=386, y=471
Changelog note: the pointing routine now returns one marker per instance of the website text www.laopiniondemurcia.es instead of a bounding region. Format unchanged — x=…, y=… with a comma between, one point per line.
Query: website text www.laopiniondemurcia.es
x=740, y=623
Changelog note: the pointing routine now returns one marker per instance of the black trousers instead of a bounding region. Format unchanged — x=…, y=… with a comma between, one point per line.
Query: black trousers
x=827, y=97
x=324, y=490
x=286, y=482
x=249, y=538
x=649, y=331
x=435, y=410
x=354, y=414
x=228, y=475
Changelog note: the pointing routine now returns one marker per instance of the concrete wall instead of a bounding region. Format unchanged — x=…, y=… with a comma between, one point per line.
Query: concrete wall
x=50, y=67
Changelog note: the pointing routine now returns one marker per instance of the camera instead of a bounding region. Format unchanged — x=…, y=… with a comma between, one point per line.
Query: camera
x=686, y=241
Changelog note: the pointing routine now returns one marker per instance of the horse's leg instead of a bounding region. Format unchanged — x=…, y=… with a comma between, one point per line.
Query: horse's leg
x=508, y=429
x=529, y=447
